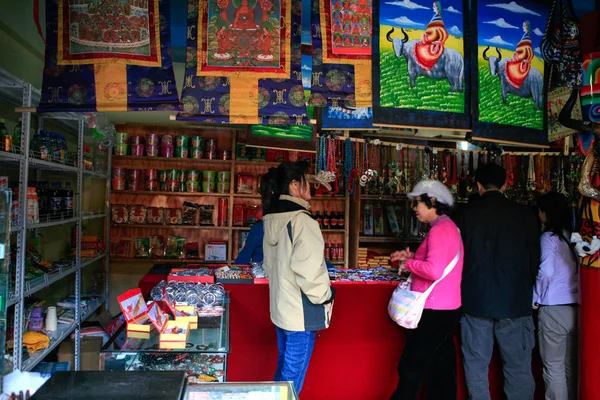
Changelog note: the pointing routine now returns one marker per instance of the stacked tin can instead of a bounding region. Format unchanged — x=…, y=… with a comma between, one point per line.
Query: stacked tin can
x=167, y=148
x=119, y=178
x=192, y=180
x=137, y=145
x=135, y=179
x=151, y=180
x=197, y=147
x=182, y=146
x=174, y=180
x=209, y=181
x=121, y=143
x=152, y=144
x=223, y=181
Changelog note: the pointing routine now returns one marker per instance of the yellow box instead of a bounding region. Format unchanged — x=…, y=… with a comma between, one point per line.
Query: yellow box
x=175, y=331
x=142, y=324
x=171, y=345
x=138, y=335
x=190, y=315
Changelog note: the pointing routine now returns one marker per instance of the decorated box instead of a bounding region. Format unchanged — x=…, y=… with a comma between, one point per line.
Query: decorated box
x=189, y=315
x=195, y=275
x=135, y=311
x=175, y=334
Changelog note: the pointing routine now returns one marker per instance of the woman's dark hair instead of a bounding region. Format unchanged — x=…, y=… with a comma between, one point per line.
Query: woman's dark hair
x=277, y=182
x=440, y=208
x=558, y=214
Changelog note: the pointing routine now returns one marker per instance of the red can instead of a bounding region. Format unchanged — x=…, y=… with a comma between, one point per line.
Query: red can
x=151, y=185
x=134, y=185
x=137, y=150
x=172, y=186
x=151, y=174
x=118, y=184
x=152, y=139
x=224, y=155
x=119, y=173
x=134, y=174
x=152, y=150
x=136, y=140
x=239, y=215
x=166, y=139
x=222, y=215
x=167, y=150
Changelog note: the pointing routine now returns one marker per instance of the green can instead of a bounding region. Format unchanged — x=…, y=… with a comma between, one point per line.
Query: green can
x=174, y=175
x=182, y=141
x=192, y=186
x=224, y=176
x=182, y=186
x=197, y=141
x=121, y=149
x=209, y=176
x=121, y=137
x=162, y=175
x=223, y=187
x=163, y=186
x=192, y=175
x=208, y=187
x=181, y=152
x=196, y=152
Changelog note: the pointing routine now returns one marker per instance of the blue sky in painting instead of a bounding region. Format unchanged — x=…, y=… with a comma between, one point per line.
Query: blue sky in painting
x=417, y=14
x=306, y=22
x=500, y=23
x=306, y=71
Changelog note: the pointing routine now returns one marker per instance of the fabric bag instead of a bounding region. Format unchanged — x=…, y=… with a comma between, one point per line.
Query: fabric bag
x=406, y=306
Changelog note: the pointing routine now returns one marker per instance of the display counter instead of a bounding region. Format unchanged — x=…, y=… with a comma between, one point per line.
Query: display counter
x=356, y=358
x=242, y=391
x=204, y=358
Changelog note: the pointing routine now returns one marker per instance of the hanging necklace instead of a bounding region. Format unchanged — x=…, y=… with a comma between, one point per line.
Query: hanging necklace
x=454, y=175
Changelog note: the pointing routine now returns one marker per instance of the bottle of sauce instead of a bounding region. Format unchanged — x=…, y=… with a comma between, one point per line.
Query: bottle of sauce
x=56, y=201
x=326, y=220
x=319, y=219
x=68, y=201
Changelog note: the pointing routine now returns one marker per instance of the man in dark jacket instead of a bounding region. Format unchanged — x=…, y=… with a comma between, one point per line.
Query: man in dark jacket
x=502, y=256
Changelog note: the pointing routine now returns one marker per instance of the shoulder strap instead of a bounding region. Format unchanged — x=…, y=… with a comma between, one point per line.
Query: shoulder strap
x=447, y=270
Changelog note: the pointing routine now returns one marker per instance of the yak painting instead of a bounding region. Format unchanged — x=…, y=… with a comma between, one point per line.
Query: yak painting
x=422, y=55
x=510, y=67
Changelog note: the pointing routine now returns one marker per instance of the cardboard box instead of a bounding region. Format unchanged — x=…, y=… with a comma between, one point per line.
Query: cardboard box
x=90, y=353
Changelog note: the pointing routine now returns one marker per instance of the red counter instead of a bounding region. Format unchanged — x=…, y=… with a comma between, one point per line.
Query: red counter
x=589, y=326
x=355, y=359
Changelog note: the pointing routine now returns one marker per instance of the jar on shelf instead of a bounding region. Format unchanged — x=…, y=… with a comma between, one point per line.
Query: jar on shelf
x=33, y=210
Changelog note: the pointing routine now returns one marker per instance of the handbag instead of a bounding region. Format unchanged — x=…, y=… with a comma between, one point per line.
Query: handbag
x=406, y=306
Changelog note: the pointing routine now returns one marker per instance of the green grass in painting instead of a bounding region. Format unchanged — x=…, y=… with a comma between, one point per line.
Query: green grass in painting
x=298, y=132
x=517, y=111
x=428, y=94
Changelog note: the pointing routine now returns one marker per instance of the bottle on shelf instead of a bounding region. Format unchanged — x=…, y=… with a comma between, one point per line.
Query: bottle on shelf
x=42, y=193
x=5, y=137
x=319, y=219
x=340, y=252
x=341, y=221
x=333, y=220
x=327, y=251
x=56, y=200
x=326, y=220
x=68, y=200
x=17, y=133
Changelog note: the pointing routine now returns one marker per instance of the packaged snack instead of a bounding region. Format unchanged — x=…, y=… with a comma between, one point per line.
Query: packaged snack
x=155, y=215
x=206, y=215
x=142, y=248
x=245, y=183
x=124, y=248
x=175, y=246
x=173, y=216
x=120, y=214
x=137, y=214
x=190, y=213
x=157, y=246
x=192, y=250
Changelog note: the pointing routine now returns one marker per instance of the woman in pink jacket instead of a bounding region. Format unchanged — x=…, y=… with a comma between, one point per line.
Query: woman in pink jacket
x=429, y=349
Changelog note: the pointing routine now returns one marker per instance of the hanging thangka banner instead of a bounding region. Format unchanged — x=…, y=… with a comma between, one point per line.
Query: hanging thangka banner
x=342, y=42
x=420, y=73
x=112, y=55
x=509, y=90
x=243, y=63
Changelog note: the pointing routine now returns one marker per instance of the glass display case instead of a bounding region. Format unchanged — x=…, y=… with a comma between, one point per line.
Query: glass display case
x=242, y=391
x=204, y=359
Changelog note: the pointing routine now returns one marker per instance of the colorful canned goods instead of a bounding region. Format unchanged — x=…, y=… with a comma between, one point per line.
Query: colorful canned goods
x=192, y=175
x=167, y=150
x=166, y=139
x=121, y=149
x=224, y=176
x=208, y=187
x=162, y=175
x=174, y=175
x=182, y=141
x=151, y=185
x=182, y=152
x=137, y=150
x=152, y=150
x=209, y=176
x=192, y=186
x=119, y=173
x=153, y=139
x=136, y=139
x=223, y=187
x=172, y=186
x=151, y=174
x=121, y=138
x=196, y=152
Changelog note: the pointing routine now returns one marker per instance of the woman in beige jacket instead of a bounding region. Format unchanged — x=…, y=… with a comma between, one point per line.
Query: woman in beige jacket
x=301, y=297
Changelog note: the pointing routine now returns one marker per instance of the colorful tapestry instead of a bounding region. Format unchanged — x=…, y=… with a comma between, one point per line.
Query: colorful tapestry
x=590, y=89
x=556, y=101
x=347, y=117
x=421, y=77
x=112, y=55
x=510, y=88
x=296, y=137
x=243, y=63
x=342, y=45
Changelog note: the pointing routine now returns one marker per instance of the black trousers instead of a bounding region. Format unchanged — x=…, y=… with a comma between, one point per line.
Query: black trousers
x=429, y=351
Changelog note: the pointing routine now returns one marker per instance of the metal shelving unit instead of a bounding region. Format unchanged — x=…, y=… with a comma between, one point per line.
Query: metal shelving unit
x=21, y=94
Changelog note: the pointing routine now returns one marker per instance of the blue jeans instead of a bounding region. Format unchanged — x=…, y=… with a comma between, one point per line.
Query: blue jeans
x=295, y=349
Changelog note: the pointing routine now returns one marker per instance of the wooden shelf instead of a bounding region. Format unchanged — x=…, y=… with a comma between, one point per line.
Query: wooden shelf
x=157, y=193
x=257, y=163
x=247, y=196
x=161, y=226
x=241, y=228
x=167, y=260
x=383, y=197
x=388, y=239
x=173, y=159
x=333, y=230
